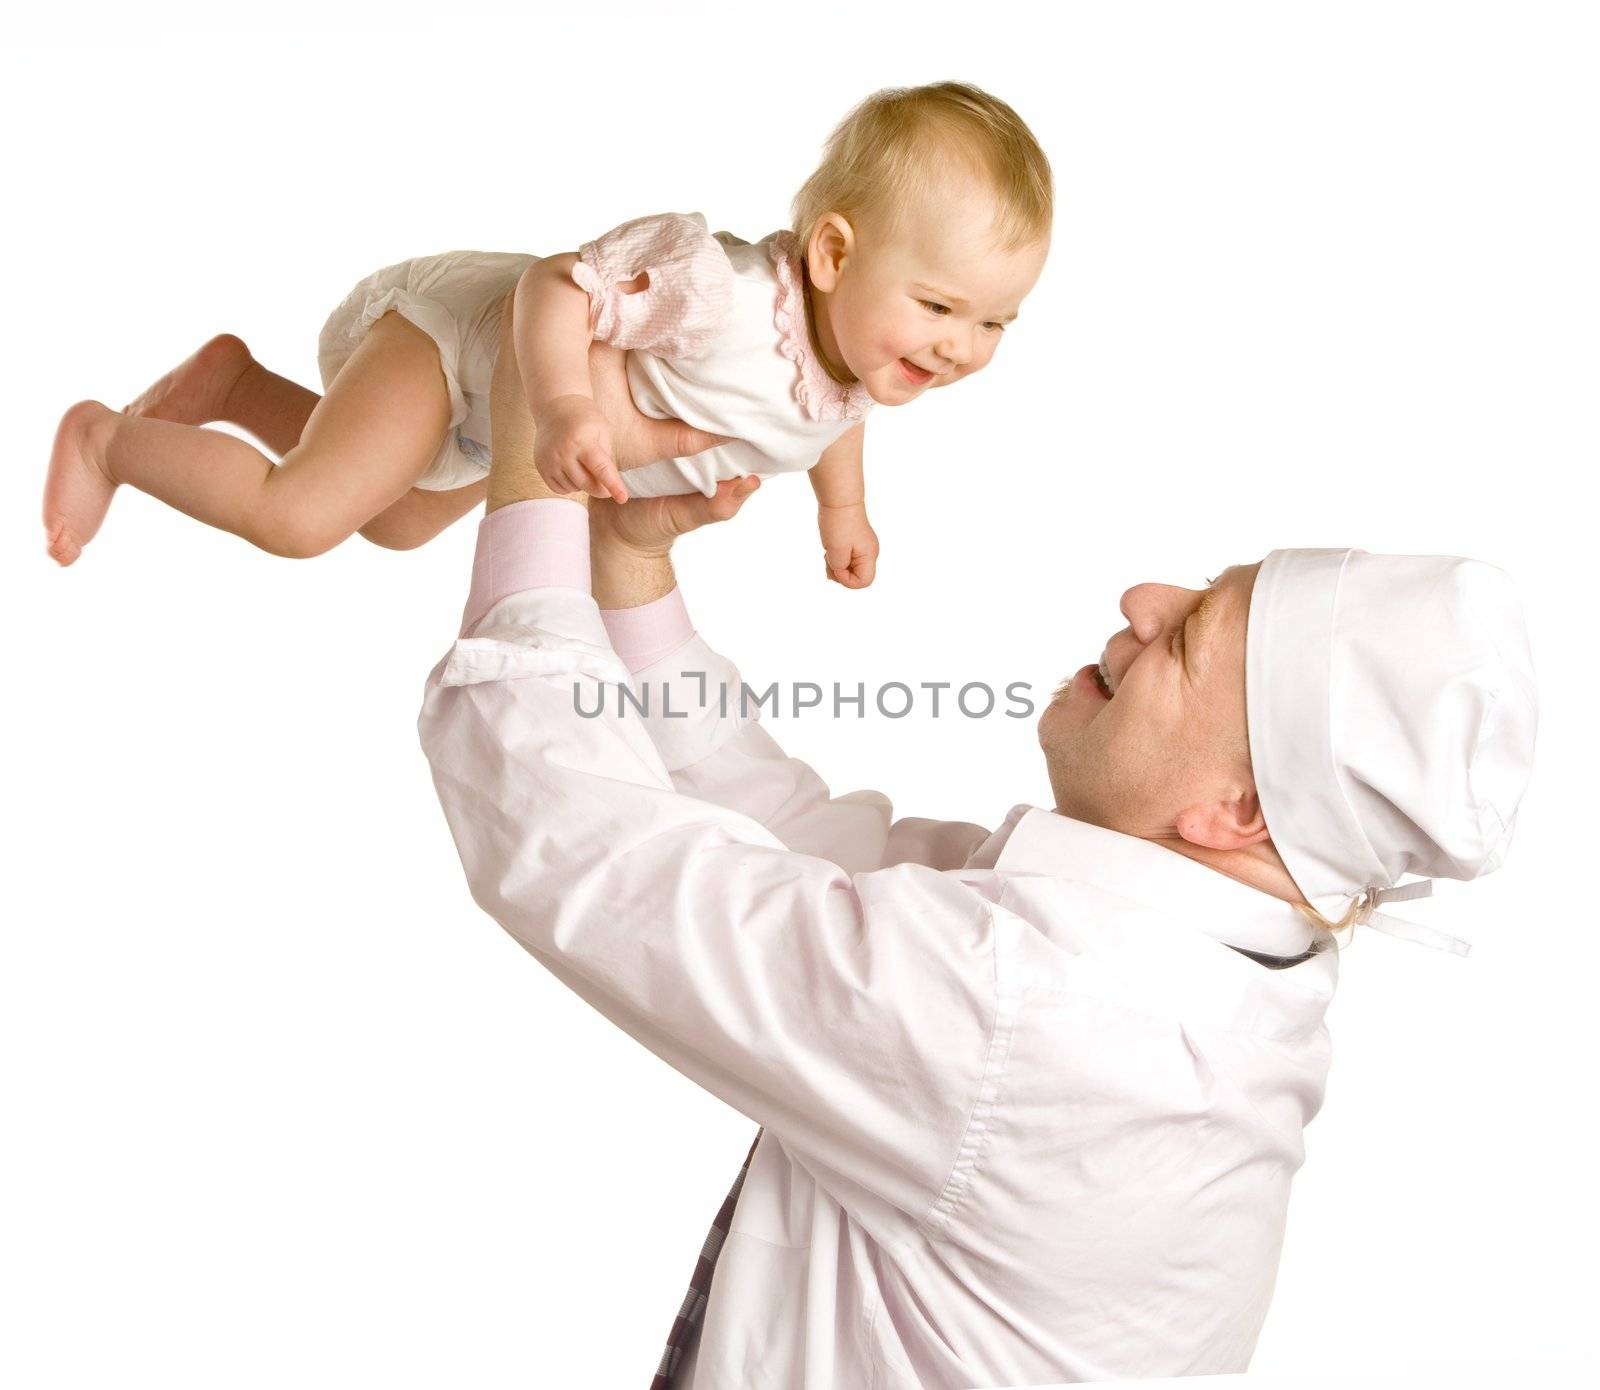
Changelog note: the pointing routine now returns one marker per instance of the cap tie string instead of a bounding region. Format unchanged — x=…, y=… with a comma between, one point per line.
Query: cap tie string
x=1364, y=912
x=1401, y=928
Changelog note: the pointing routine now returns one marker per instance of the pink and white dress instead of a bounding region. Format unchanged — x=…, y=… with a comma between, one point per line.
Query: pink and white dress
x=718, y=338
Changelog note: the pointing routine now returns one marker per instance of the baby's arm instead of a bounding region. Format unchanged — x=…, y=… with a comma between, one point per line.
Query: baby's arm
x=551, y=336
x=661, y=284
x=849, y=544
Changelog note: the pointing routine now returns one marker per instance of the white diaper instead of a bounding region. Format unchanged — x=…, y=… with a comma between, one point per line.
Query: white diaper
x=456, y=300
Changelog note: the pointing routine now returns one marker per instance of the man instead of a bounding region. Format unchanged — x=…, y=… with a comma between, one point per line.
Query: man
x=1030, y=1100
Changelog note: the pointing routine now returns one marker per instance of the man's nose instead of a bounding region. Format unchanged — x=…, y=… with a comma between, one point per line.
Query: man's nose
x=1148, y=609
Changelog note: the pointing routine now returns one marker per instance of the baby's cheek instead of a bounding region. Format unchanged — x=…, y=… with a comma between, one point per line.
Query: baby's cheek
x=893, y=346
x=903, y=338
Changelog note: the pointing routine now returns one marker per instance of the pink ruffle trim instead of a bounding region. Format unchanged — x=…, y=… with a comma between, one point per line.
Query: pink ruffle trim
x=819, y=394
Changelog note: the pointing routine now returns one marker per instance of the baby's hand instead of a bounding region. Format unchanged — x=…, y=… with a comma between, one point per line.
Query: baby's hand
x=572, y=449
x=849, y=544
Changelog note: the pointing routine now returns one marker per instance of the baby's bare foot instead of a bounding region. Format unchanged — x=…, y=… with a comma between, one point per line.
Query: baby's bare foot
x=195, y=392
x=78, y=489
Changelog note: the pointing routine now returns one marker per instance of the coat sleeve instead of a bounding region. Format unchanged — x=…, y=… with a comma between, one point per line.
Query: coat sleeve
x=793, y=990
x=706, y=723
x=688, y=291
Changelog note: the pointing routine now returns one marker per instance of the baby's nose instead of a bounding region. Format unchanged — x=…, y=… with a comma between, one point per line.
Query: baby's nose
x=956, y=349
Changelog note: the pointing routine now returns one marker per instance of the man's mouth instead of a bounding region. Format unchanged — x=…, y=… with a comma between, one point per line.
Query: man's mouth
x=914, y=374
x=1091, y=682
x=1102, y=672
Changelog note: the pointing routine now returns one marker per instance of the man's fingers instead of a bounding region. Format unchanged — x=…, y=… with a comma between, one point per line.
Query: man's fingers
x=687, y=440
x=641, y=439
x=724, y=502
x=651, y=524
x=730, y=496
x=699, y=510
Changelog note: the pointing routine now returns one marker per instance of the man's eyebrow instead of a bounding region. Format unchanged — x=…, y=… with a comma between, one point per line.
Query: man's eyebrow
x=1201, y=618
x=1206, y=609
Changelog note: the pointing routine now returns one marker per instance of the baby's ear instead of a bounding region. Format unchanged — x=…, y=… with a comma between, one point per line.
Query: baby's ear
x=832, y=243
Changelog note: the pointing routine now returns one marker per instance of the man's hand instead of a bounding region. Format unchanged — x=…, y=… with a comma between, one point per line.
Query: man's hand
x=636, y=438
x=649, y=525
x=629, y=545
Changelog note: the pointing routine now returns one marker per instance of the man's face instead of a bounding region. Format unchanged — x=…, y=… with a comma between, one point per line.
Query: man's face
x=1152, y=741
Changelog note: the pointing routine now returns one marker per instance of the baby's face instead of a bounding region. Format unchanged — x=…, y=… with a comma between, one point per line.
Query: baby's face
x=928, y=304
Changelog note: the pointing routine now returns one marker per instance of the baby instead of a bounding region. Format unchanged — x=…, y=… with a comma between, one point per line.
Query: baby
x=914, y=243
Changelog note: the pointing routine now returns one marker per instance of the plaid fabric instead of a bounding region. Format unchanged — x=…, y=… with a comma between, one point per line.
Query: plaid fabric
x=693, y=1307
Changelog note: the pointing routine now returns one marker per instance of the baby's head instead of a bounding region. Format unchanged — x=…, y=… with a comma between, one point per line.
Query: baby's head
x=922, y=231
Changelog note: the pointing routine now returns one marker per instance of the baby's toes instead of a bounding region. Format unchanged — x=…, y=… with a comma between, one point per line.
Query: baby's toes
x=62, y=545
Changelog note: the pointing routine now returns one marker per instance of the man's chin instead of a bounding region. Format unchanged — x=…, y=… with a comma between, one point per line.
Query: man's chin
x=1073, y=705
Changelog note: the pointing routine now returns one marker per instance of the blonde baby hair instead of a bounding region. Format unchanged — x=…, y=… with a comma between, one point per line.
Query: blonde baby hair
x=900, y=143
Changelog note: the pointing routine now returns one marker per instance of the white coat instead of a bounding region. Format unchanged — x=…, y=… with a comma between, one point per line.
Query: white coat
x=1028, y=1117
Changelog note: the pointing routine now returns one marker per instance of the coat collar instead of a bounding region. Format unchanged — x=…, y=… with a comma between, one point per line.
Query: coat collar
x=1038, y=842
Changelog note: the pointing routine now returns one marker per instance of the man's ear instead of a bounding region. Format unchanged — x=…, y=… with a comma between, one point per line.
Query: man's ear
x=1233, y=822
x=833, y=242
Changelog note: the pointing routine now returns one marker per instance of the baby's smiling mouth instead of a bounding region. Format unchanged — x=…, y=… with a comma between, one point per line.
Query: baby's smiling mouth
x=915, y=374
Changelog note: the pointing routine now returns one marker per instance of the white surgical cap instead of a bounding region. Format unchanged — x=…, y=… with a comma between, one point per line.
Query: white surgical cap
x=1391, y=710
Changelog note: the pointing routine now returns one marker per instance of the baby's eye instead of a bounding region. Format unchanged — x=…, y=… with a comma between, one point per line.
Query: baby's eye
x=933, y=308
x=995, y=326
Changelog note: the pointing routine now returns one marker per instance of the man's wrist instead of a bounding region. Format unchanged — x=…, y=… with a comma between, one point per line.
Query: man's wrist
x=625, y=580
x=524, y=483
x=626, y=575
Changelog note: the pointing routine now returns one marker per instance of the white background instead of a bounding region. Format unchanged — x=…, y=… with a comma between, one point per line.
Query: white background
x=281, y=1107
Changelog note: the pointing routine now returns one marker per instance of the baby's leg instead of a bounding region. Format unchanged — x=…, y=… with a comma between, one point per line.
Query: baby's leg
x=365, y=443
x=421, y=514
x=223, y=381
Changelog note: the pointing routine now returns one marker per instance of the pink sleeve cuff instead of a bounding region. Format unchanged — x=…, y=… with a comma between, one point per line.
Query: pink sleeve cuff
x=543, y=542
x=642, y=636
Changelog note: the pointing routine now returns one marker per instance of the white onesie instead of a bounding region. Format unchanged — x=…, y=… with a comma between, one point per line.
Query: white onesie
x=718, y=338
